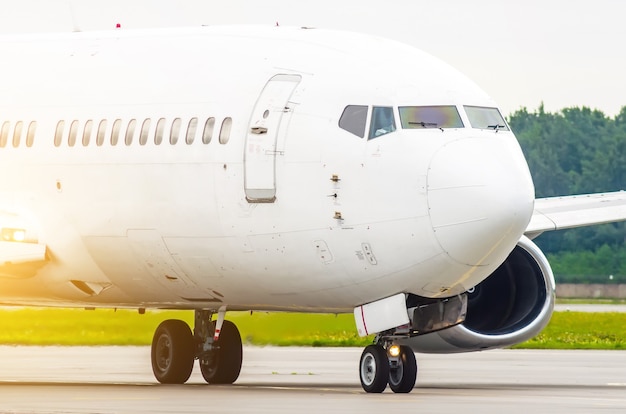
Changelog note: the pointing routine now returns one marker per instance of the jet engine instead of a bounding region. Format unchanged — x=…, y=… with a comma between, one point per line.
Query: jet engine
x=509, y=307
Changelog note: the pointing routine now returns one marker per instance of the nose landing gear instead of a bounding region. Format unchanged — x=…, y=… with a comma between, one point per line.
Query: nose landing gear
x=395, y=365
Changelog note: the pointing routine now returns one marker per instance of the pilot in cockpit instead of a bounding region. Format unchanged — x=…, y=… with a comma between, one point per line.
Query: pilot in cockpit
x=383, y=121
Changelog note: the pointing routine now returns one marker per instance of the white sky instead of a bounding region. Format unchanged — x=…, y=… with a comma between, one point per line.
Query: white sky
x=560, y=52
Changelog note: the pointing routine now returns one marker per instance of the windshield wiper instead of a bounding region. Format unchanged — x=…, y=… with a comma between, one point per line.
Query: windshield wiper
x=496, y=127
x=424, y=124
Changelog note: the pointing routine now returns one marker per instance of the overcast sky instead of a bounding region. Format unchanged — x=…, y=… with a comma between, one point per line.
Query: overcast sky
x=561, y=53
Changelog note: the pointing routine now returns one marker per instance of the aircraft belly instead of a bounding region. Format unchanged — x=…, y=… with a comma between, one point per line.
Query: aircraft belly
x=305, y=269
x=152, y=253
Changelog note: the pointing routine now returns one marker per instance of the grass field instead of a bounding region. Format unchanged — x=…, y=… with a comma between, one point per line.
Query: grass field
x=26, y=326
x=581, y=330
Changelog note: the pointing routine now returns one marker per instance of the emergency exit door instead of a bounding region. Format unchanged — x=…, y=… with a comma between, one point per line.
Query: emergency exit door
x=265, y=123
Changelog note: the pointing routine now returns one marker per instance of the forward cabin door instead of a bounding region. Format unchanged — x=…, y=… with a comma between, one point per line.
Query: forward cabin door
x=265, y=123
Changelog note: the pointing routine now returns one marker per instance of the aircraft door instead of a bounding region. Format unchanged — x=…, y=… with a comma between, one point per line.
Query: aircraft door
x=260, y=151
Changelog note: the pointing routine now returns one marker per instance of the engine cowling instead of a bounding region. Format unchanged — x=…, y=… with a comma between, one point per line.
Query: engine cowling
x=509, y=307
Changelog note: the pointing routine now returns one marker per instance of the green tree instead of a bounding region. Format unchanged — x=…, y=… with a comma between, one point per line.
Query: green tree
x=576, y=151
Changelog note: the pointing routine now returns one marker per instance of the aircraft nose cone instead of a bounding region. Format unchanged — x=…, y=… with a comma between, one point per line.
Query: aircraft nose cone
x=480, y=197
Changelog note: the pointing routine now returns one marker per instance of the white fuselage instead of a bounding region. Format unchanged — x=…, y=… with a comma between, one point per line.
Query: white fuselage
x=341, y=220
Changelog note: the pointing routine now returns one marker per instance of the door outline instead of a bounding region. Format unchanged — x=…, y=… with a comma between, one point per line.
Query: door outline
x=261, y=138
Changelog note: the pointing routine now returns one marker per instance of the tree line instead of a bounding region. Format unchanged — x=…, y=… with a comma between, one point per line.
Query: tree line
x=577, y=151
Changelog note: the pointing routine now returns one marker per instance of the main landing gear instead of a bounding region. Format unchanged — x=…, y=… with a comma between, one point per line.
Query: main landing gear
x=216, y=344
x=394, y=365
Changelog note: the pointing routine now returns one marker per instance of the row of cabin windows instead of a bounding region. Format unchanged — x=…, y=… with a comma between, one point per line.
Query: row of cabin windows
x=132, y=130
x=18, y=130
x=86, y=133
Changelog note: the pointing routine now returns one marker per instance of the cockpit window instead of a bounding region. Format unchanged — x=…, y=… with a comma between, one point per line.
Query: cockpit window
x=486, y=118
x=382, y=122
x=353, y=119
x=418, y=117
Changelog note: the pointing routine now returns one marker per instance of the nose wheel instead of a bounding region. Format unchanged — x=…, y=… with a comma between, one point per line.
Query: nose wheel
x=395, y=366
x=402, y=370
x=374, y=370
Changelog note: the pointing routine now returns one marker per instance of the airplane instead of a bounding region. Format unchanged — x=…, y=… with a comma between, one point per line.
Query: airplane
x=252, y=168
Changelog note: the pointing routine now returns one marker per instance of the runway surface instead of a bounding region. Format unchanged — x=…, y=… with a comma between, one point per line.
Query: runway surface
x=307, y=380
x=594, y=308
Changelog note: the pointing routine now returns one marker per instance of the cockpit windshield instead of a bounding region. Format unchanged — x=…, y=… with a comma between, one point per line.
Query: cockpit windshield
x=353, y=119
x=486, y=118
x=382, y=121
x=419, y=117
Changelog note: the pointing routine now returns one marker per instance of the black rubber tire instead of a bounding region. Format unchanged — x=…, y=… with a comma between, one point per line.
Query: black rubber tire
x=225, y=365
x=402, y=378
x=374, y=369
x=172, y=352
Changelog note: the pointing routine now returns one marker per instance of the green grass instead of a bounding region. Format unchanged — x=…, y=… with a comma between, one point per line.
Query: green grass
x=44, y=326
x=36, y=326
x=581, y=330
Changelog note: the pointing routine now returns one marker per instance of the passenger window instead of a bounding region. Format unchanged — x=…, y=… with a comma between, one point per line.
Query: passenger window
x=424, y=117
x=71, y=139
x=175, y=131
x=130, y=132
x=227, y=124
x=145, y=129
x=353, y=119
x=382, y=122
x=158, y=134
x=486, y=118
x=115, y=132
x=191, y=130
x=30, y=135
x=102, y=127
x=4, y=134
x=17, y=134
x=87, y=132
x=207, y=134
x=58, y=133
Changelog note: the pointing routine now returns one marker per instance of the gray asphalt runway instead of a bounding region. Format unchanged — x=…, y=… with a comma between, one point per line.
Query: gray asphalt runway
x=599, y=308
x=307, y=380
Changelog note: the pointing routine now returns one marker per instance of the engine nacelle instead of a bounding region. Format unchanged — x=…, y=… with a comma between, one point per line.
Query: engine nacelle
x=509, y=307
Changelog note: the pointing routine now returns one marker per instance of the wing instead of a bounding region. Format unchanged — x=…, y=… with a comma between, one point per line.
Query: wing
x=557, y=213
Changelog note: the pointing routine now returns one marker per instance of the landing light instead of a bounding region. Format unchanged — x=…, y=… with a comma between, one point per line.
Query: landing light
x=13, y=235
x=394, y=351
